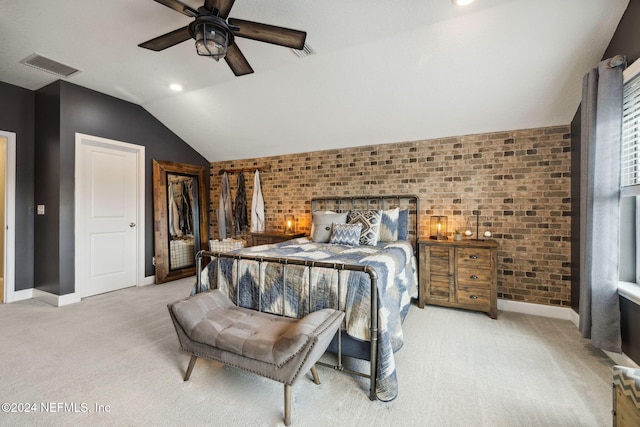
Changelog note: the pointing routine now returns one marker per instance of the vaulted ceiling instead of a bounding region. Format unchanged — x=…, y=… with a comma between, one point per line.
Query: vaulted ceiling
x=384, y=70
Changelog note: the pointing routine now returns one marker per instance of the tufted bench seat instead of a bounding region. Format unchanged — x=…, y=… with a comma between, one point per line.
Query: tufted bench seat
x=209, y=325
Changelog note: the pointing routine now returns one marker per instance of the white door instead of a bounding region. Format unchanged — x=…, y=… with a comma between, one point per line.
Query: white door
x=107, y=190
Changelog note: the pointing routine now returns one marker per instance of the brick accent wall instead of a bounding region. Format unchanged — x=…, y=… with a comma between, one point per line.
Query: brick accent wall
x=518, y=180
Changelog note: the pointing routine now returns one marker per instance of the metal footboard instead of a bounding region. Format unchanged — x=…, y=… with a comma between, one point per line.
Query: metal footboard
x=373, y=324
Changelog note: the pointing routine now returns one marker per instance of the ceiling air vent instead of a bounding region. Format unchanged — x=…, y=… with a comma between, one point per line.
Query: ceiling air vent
x=305, y=51
x=49, y=65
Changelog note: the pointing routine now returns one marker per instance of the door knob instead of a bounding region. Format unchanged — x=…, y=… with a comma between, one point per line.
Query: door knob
x=132, y=224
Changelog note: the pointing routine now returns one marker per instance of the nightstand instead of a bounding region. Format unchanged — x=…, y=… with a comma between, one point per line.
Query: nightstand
x=268, y=237
x=460, y=274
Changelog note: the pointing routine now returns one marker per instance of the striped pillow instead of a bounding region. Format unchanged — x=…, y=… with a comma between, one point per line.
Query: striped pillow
x=345, y=234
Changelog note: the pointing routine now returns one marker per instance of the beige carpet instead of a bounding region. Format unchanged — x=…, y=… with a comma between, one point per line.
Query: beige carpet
x=114, y=360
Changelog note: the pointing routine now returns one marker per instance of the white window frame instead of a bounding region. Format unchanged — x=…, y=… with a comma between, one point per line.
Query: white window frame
x=632, y=289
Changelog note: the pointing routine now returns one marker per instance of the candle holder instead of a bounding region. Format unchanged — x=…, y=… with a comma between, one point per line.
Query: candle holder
x=438, y=227
x=289, y=224
x=468, y=232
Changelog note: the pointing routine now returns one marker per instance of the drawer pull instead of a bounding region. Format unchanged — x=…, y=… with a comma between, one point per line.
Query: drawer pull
x=474, y=297
x=473, y=256
x=474, y=277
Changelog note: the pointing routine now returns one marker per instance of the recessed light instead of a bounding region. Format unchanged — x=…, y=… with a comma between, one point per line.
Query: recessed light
x=461, y=2
x=175, y=87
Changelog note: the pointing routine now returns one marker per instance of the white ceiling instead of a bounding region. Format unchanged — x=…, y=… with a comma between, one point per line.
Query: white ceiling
x=385, y=70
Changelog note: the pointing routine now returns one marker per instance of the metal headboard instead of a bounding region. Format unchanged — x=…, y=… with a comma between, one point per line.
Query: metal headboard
x=382, y=202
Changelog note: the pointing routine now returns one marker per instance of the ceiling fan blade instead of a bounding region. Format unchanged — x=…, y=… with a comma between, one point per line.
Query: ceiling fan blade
x=223, y=6
x=237, y=62
x=167, y=40
x=179, y=7
x=269, y=33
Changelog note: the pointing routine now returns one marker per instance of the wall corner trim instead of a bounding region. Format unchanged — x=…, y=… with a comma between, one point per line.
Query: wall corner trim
x=56, y=300
x=19, y=295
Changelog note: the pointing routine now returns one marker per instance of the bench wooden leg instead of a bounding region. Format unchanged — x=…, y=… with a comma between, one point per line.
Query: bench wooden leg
x=192, y=363
x=314, y=372
x=287, y=405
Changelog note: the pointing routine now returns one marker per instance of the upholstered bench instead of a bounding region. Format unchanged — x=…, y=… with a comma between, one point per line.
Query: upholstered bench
x=626, y=396
x=209, y=325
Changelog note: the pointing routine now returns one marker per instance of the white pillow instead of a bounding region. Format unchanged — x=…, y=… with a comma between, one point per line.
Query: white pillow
x=321, y=225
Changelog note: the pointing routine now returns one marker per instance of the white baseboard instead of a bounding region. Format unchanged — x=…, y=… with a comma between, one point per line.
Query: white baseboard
x=19, y=295
x=56, y=300
x=555, y=312
x=575, y=318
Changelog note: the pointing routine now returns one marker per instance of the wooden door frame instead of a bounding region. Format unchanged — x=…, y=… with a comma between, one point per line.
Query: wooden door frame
x=80, y=225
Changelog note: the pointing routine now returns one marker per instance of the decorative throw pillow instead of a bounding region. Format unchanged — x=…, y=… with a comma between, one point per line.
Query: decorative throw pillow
x=345, y=234
x=389, y=225
x=403, y=224
x=370, y=221
x=321, y=225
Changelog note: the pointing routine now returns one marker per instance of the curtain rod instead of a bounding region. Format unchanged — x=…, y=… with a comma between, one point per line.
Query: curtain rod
x=261, y=169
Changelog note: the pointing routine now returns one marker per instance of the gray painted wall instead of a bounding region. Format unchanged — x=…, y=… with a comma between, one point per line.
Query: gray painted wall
x=45, y=123
x=86, y=111
x=17, y=115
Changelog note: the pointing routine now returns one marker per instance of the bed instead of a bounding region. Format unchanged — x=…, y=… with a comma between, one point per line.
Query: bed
x=374, y=283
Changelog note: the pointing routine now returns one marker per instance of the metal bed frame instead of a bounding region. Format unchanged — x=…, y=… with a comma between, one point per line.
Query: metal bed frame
x=373, y=324
x=339, y=203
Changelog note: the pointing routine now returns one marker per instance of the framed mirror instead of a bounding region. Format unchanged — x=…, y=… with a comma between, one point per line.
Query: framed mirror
x=180, y=218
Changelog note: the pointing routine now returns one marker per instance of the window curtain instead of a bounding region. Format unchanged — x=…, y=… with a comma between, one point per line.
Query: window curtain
x=601, y=123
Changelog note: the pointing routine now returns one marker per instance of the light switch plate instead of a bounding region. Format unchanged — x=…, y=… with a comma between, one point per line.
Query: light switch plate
x=40, y=210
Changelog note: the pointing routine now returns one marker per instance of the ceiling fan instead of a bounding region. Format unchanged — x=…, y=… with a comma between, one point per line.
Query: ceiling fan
x=214, y=33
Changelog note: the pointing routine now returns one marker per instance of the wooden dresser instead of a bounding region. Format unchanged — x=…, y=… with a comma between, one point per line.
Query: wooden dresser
x=461, y=274
x=268, y=237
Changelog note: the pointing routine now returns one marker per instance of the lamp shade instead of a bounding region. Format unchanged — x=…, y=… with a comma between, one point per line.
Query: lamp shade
x=438, y=227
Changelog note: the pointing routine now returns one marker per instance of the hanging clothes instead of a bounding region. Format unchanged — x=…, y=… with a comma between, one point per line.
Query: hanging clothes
x=173, y=212
x=257, y=206
x=186, y=209
x=240, y=206
x=225, y=214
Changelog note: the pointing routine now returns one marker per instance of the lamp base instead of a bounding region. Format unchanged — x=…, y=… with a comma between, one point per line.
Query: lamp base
x=439, y=238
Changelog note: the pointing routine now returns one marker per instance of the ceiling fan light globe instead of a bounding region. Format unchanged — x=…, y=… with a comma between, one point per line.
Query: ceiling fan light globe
x=211, y=41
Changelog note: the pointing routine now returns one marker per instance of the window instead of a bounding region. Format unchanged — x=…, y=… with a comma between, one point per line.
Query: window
x=630, y=177
x=630, y=150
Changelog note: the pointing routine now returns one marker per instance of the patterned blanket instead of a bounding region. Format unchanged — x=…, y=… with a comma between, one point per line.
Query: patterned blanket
x=261, y=288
